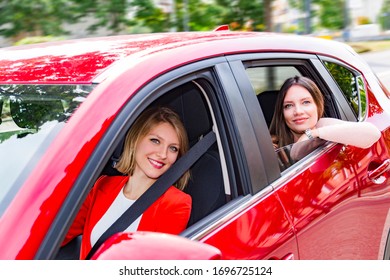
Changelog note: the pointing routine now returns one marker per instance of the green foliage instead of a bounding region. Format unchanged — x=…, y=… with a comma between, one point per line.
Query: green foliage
x=244, y=14
x=42, y=18
x=330, y=12
x=384, y=16
x=197, y=15
x=19, y=18
x=346, y=81
x=148, y=15
x=38, y=39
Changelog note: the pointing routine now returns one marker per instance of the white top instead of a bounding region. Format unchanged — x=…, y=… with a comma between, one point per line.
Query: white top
x=117, y=208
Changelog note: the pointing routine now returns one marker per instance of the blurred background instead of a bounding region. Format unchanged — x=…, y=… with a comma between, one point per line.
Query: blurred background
x=32, y=21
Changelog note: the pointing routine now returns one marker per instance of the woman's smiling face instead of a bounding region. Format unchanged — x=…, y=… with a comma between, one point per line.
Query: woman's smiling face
x=157, y=151
x=299, y=110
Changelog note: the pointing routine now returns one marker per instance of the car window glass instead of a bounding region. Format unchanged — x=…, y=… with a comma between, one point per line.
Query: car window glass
x=291, y=154
x=351, y=85
x=31, y=115
x=266, y=82
x=267, y=78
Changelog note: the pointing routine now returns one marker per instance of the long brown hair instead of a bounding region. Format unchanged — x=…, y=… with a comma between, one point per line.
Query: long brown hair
x=141, y=127
x=278, y=125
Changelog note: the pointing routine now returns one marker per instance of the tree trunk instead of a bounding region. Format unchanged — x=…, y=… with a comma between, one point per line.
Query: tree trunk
x=268, y=15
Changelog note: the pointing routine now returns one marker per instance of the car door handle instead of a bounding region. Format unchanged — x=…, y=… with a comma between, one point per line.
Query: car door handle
x=379, y=171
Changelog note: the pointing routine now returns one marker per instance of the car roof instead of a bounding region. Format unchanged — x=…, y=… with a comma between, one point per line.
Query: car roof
x=83, y=60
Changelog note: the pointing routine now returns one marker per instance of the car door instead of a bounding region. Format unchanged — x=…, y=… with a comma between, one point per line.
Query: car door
x=337, y=211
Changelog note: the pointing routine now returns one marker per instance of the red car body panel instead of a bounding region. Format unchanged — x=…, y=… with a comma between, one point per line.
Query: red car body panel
x=120, y=68
x=252, y=233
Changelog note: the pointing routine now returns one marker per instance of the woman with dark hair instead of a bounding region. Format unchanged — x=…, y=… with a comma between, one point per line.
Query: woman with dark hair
x=298, y=117
x=153, y=144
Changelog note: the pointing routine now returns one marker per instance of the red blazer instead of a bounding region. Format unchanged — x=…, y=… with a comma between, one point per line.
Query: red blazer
x=169, y=213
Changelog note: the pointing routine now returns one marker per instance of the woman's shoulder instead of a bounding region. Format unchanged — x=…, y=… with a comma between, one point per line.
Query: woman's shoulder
x=176, y=192
x=176, y=196
x=105, y=182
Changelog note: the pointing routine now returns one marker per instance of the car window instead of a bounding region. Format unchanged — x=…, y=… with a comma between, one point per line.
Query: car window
x=31, y=115
x=352, y=85
x=207, y=186
x=266, y=82
x=266, y=78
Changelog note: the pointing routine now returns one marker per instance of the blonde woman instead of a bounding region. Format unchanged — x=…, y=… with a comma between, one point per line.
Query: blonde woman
x=155, y=141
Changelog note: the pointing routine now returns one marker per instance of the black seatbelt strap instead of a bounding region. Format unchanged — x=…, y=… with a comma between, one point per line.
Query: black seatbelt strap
x=157, y=189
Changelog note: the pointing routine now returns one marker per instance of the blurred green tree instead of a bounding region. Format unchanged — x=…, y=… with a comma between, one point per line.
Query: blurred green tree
x=384, y=16
x=245, y=14
x=331, y=13
x=111, y=14
x=22, y=18
x=197, y=15
x=118, y=15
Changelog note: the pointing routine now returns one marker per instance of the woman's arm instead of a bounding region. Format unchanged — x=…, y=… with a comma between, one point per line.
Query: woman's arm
x=358, y=134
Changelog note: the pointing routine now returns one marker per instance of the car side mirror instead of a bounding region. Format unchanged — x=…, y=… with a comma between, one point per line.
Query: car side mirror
x=154, y=246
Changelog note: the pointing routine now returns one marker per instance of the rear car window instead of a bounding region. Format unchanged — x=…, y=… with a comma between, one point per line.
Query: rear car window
x=31, y=116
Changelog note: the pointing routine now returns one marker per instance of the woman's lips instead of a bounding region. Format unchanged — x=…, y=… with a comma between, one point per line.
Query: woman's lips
x=156, y=164
x=300, y=121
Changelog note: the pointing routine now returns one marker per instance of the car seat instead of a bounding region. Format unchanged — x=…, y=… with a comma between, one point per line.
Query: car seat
x=206, y=183
x=267, y=101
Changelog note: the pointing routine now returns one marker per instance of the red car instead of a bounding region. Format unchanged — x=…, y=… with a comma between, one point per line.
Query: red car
x=66, y=107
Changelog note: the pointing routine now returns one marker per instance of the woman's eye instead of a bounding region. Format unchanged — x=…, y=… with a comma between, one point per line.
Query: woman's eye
x=287, y=106
x=306, y=102
x=174, y=149
x=154, y=140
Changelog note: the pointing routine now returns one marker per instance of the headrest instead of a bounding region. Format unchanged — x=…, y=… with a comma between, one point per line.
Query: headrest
x=267, y=101
x=188, y=101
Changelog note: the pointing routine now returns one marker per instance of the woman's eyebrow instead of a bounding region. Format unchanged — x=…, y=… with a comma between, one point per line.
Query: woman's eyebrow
x=162, y=138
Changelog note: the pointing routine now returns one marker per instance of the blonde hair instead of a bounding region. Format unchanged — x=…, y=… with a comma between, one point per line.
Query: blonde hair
x=141, y=127
x=278, y=125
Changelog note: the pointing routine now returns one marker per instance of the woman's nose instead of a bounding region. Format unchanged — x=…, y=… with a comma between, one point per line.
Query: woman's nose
x=297, y=110
x=162, y=153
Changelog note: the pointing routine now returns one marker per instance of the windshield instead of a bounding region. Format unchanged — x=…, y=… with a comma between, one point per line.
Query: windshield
x=31, y=117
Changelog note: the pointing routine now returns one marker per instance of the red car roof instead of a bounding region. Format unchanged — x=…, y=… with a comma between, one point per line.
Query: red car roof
x=82, y=60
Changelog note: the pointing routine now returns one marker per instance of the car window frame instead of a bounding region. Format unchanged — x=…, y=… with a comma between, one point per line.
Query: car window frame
x=309, y=65
x=239, y=63
x=361, y=88
x=117, y=130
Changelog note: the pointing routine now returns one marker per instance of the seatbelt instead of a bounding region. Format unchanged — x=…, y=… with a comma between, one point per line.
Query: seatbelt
x=157, y=189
